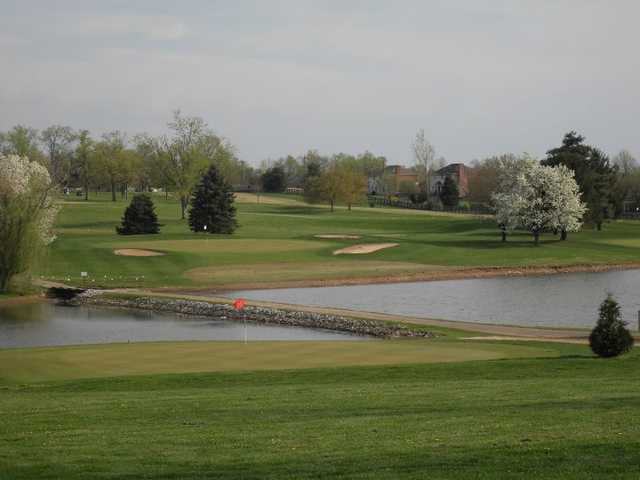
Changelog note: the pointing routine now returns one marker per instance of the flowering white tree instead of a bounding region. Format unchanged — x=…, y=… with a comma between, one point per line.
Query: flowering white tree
x=564, y=192
x=537, y=198
x=27, y=214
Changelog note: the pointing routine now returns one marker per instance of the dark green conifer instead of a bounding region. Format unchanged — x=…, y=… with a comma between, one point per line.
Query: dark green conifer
x=610, y=337
x=212, y=205
x=139, y=217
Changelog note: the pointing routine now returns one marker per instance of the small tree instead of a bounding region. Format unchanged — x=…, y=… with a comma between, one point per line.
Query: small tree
x=449, y=195
x=139, y=217
x=274, y=180
x=212, y=209
x=610, y=337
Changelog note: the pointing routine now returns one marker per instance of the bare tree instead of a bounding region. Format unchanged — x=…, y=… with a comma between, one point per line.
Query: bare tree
x=57, y=141
x=424, y=155
x=626, y=162
x=191, y=148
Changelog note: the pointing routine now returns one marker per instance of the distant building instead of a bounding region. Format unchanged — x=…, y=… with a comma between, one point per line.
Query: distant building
x=458, y=171
x=398, y=175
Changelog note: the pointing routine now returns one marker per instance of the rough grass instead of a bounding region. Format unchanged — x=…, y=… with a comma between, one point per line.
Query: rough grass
x=571, y=417
x=282, y=233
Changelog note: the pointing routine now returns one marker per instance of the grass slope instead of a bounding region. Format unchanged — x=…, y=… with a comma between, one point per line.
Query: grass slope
x=570, y=417
x=275, y=242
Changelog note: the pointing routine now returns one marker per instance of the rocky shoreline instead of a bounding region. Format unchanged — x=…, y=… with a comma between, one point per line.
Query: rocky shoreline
x=254, y=314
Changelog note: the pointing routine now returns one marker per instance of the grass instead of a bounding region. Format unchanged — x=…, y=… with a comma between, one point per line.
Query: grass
x=405, y=409
x=64, y=363
x=568, y=417
x=275, y=243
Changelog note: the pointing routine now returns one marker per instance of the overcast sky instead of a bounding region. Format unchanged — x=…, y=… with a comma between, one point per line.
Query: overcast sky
x=280, y=77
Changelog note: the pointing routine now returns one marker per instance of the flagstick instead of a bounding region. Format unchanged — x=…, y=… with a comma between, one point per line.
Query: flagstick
x=245, y=329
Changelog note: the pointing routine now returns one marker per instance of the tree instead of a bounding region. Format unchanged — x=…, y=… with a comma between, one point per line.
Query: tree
x=57, y=141
x=27, y=213
x=139, y=217
x=424, y=155
x=449, y=195
x=330, y=183
x=212, y=209
x=483, y=178
x=354, y=185
x=21, y=141
x=188, y=153
x=110, y=159
x=274, y=180
x=610, y=337
x=84, y=159
x=593, y=173
x=537, y=198
x=626, y=163
x=566, y=207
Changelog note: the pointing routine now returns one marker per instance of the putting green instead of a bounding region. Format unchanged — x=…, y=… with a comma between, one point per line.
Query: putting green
x=61, y=363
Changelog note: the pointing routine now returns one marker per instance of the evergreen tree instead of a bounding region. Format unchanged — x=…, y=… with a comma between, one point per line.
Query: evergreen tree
x=449, y=195
x=610, y=337
x=139, y=217
x=593, y=172
x=212, y=205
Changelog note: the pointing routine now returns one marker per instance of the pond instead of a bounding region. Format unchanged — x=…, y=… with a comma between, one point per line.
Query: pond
x=47, y=324
x=563, y=300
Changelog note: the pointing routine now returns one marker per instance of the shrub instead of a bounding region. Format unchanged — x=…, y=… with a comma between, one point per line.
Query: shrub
x=212, y=209
x=610, y=336
x=139, y=217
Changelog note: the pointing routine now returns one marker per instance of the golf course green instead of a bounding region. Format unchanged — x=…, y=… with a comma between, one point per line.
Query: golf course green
x=277, y=244
x=447, y=407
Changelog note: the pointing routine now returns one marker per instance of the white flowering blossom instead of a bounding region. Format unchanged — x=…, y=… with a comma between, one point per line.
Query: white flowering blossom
x=537, y=198
x=27, y=213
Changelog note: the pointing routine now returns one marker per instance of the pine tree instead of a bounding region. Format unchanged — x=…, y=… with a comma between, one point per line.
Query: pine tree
x=139, y=217
x=610, y=337
x=449, y=195
x=212, y=205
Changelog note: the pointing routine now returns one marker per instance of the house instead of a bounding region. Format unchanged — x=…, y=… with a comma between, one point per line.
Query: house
x=398, y=174
x=458, y=171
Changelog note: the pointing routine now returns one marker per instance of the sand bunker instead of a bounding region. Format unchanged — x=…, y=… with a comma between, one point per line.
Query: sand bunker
x=338, y=237
x=137, y=252
x=365, y=248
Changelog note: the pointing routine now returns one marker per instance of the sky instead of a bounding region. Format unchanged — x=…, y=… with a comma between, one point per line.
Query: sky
x=282, y=77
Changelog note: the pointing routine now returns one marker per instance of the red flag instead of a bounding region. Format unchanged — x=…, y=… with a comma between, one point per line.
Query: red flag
x=239, y=303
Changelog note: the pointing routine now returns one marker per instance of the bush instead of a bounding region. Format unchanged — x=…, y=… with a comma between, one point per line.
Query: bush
x=418, y=198
x=139, y=217
x=610, y=336
x=212, y=209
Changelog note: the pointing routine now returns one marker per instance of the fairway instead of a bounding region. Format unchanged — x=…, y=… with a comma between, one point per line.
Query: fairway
x=63, y=363
x=570, y=417
x=277, y=244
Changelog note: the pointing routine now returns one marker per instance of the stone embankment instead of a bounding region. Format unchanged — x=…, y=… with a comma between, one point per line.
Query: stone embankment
x=263, y=315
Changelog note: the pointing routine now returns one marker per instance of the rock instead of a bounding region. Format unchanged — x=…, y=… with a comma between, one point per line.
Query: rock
x=260, y=315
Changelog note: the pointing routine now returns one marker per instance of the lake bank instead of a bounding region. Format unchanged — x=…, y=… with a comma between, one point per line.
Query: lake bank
x=438, y=273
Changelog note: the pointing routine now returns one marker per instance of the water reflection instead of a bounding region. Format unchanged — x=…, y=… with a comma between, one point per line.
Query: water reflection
x=46, y=324
x=566, y=300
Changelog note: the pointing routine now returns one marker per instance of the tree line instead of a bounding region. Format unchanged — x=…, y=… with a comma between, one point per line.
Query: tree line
x=116, y=162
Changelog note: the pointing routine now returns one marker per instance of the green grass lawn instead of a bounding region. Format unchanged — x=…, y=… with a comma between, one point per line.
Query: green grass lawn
x=567, y=417
x=108, y=360
x=276, y=243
